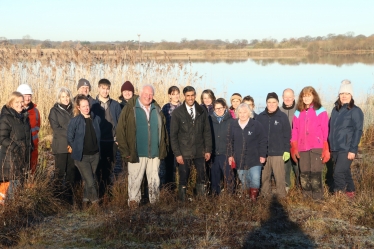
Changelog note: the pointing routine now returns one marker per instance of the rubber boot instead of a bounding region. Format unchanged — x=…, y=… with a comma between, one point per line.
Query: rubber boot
x=316, y=185
x=305, y=184
x=200, y=189
x=253, y=194
x=182, y=193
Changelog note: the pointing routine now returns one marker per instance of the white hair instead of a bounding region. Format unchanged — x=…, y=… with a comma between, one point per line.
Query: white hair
x=148, y=85
x=245, y=106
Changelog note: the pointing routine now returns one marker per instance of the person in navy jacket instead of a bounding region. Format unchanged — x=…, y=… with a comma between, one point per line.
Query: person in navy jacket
x=83, y=136
x=345, y=132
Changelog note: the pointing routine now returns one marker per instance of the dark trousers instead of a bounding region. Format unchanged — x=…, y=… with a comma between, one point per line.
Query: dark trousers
x=87, y=167
x=221, y=167
x=288, y=166
x=311, y=172
x=65, y=170
x=184, y=171
x=108, y=151
x=342, y=172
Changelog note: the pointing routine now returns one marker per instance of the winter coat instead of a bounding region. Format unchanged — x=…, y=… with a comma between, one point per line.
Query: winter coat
x=34, y=118
x=289, y=111
x=220, y=133
x=16, y=145
x=76, y=132
x=190, y=139
x=278, y=132
x=248, y=144
x=126, y=132
x=59, y=119
x=310, y=128
x=345, y=128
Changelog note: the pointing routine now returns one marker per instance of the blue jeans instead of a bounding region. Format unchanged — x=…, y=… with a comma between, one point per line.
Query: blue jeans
x=250, y=178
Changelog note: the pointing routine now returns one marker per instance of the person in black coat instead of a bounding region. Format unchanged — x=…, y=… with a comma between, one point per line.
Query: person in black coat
x=248, y=150
x=84, y=139
x=15, y=141
x=221, y=122
x=59, y=118
x=191, y=141
x=345, y=131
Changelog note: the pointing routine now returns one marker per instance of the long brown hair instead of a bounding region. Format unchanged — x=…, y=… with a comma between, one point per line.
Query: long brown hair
x=339, y=104
x=78, y=100
x=210, y=95
x=316, y=100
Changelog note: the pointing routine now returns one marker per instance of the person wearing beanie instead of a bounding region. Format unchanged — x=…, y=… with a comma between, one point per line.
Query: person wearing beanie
x=127, y=92
x=109, y=111
x=34, y=116
x=309, y=141
x=346, y=125
x=84, y=88
x=278, y=132
x=289, y=108
x=235, y=101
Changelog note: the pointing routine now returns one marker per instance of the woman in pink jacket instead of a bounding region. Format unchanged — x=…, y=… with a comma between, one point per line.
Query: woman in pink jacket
x=309, y=141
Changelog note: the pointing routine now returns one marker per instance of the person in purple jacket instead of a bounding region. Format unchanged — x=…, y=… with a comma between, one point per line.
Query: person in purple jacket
x=309, y=141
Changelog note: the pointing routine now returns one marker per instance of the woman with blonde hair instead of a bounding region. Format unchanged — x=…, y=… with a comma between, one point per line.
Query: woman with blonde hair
x=84, y=139
x=309, y=141
x=15, y=141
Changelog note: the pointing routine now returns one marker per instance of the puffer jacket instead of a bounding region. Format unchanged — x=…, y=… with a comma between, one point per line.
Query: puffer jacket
x=126, y=132
x=345, y=128
x=310, y=128
x=59, y=119
x=190, y=139
x=76, y=132
x=16, y=144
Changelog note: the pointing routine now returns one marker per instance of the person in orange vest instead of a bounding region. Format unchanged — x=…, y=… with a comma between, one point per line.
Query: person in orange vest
x=35, y=121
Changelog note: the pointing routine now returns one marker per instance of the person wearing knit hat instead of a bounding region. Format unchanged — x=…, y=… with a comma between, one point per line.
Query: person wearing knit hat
x=346, y=124
x=84, y=88
x=278, y=132
x=235, y=101
x=127, y=92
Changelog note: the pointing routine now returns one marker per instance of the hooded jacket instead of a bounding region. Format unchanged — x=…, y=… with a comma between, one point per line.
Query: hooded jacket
x=345, y=128
x=126, y=131
x=59, y=119
x=190, y=139
x=16, y=145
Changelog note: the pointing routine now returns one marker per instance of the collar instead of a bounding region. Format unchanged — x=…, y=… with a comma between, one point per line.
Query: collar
x=290, y=107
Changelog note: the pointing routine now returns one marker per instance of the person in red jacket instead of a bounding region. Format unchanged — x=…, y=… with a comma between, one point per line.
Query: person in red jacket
x=34, y=117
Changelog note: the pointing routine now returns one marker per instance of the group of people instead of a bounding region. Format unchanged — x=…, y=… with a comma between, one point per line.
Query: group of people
x=231, y=148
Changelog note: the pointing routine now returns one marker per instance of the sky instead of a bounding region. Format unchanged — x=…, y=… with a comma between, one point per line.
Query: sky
x=172, y=20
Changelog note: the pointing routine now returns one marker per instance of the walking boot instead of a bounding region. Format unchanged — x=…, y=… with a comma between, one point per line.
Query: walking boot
x=316, y=185
x=200, y=189
x=182, y=193
x=253, y=194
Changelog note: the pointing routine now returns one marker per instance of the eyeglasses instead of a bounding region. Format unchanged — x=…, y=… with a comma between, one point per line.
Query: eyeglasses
x=219, y=108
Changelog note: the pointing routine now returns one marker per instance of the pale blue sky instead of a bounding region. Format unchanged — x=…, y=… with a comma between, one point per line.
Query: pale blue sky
x=171, y=20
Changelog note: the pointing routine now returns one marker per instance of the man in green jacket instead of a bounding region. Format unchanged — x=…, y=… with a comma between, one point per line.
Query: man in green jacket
x=142, y=140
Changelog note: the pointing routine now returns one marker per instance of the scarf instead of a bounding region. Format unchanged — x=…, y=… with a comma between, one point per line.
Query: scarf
x=220, y=118
x=172, y=107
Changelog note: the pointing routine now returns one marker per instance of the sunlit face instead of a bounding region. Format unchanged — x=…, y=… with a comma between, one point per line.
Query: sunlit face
x=104, y=91
x=84, y=107
x=345, y=98
x=308, y=99
x=64, y=99
x=243, y=114
x=219, y=109
x=206, y=99
x=235, y=103
x=189, y=98
x=146, y=96
x=249, y=103
x=272, y=104
x=127, y=94
x=288, y=97
x=27, y=99
x=85, y=90
x=174, y=97
x=17, y=104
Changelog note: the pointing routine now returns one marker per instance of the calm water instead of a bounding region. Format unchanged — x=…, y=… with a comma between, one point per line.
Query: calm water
x=258, y=77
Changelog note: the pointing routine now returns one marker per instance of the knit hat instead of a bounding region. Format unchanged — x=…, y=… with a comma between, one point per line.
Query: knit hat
x=272, y=95
x=84, y=82
x=236, y=96
x=346, y=87
x=127, y=86
x=104, y=82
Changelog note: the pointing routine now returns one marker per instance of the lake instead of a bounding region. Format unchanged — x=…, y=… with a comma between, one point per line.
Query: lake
x=257, y=77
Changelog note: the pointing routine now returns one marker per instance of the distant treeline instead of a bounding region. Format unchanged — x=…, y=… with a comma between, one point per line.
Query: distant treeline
x=329, y=43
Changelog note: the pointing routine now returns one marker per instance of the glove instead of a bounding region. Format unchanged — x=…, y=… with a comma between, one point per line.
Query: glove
x=294, y=151
x=286, y=156
x=70, y=150
x=325, y=152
